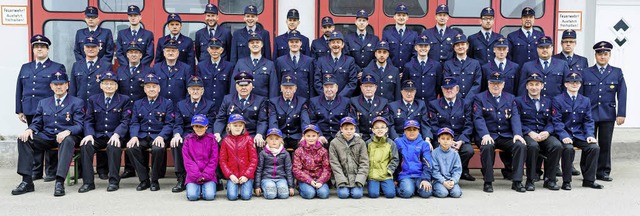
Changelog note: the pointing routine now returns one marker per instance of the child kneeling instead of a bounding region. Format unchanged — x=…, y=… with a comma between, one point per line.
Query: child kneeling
x=349, y=160
x=273, y=175
x=311, y=165
x=447, y=167
x=200, y=154
x=415, y=174
x=383, y=160
x=238, y=159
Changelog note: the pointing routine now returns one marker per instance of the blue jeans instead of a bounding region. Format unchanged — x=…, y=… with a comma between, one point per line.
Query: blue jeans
x=208, y=191
x=275, y=187
x=245, y=190
x=440, y=191
x=309, y=192
x=388, y=188
x=410, y=186
x=345, y=192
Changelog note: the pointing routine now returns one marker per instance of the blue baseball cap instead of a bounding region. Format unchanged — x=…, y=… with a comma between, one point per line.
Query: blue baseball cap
x=211, y=8
x=174, y=17
x=251, y=9
x=329, y=79
x=545, y=41
x=235, y=118
x=496, y=77
x=460, y=38
x=215, y=42
x=501, y=42
x=368, y=79
x=274, y=131
x=569, y=33
x=151, y=78
x=411, y=123
x=573, y=76
x=401, y=8
x=602, y=46
x=199, y=119
x=347, y=120
x=293, y=14
x=528, y=11
x=362, y=14
x=449, y=82
x=535, y=76
x=108, y=75
x=90, y=41
x=40, y=39
x=442, y=8
x=379, y=118
x=91, y=11
x=133, y=10
x=408, y=84
x=195, y=81
x=311, y=128
x=326, y=21
x=288, y=80
x=59, y=77
x=488, y=11
x=336, y=35
x=445, y=130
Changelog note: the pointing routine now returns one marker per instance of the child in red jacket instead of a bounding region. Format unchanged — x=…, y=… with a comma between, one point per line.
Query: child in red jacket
x=311, y=165
x=238, y=159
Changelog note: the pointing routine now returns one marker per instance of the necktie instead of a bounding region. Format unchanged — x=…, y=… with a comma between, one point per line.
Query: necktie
x=381, y=69
x=288, y=102
x=92, y=32
x=537, y=102
x=408, y=106
x=401, y=32
x=361, y=37
x=39, y=65
x=573, y=98
x=497, y=98
x=151, y=102
x=250, y=31
x=173, y=37
x=212, y=32
x=215, y=66
x=423, y=64
x=462, y=61
x=243, y=101
x=295, y=60
x=369, y=101
x=529, y=35
x=90, y=65
x=601, y=70
x=546, y=65
x=569, y=58
x=450, y=105
x=335, y=60
x=132, y=69
x=134, y=33
x=255, y=62
x=441, y=33
x=107, y=101
x=57, y=101
x=171, y=68
x=501, y=67
x=486, y=36
x=195, y=105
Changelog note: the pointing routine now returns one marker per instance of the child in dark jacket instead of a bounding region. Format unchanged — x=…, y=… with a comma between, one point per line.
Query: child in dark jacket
x=238, y=159
x=311, y=165
x=415, y=154
x=200, y=154
x=273, y=174
x=447, y=167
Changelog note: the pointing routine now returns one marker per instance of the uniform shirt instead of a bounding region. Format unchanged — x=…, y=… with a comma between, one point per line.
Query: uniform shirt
x=144, y=38
x=32, y=85
x=49, y=119
x=103, y=36
x=102, y=121
x=480, y=48
x=427, y=79
x=202, y=42
x=521, y=48
x=603, y=90
x=185, y=49
x=216, y=78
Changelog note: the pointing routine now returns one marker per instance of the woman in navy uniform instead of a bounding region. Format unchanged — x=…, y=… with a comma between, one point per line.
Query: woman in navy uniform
x=185, y=44
x=172, y=74
x=553, y=70
x=265, y=78
x=152, y=122
x=212, y=30
x=328, y=109
x=424, y=71
x=215, y=73
x=85, y=73
x=143, y=37
x=387, y=75
x=497, y=123
x=32, y=86
x=281, y=46
x=500, y=63
x=408, y=108
x=481, y=43
x=451, y=112
x=341, y=66
x=522, y=42
x=106, y=125
x=604, y=85
x=465, y=69
x=361, y=44
x=185, y=110
x=366, y=107
x=102, y=35
x=400, y=38
x=241, y=37
x=574, y=125
x=299, y=65
x=576, y=62
x=289, y=112
x=57, y=123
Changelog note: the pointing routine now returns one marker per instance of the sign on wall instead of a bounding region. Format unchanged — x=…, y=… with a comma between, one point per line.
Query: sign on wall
x=13, y=15
x=570, y=20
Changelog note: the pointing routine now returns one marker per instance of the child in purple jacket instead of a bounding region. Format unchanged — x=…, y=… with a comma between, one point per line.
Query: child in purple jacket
x=200, y=153
x=273, y=174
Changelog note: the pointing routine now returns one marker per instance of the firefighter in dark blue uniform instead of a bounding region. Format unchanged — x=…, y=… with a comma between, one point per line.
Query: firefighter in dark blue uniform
x=441, y=36
x=425, y=72
x=135, y=32
x=212, y=30
x=576, y=62
x=466, y=70
x=152, y=122
x=288, y=112
x=537, y=128
x=31, y=87
x=553, y=70
x=604, y=85
x=281, y=44
x=361, y=44
x=497, y=123
x=320, y=46
x=173, y=74
x=385, y=73
x=241, y=37
x=131, y=76
x=481, y=43
x=327, y=109
x=400, y=38
x=522, y=42
x=500, y=63
x=106, y=125
x=297, y=64
x=574, y=125
x=215, y=73
x=366, y=107
x=341, y=66
x=57, y=123
x=451, y=112
x=85, y=73
x=185, y=44
x=185, y=110
x=265, y=78
x=408, y=108
x=103, y=36
x=251, y=106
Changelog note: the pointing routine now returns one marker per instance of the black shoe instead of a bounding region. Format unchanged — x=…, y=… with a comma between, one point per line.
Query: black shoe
x=59, y=189
x=179, y=187
x=517, y=186
x=488, y=187
x=143, y=185
x=49, y=178
x=23, y=188
x=127, y=174
x=605, y=178
x=551, y=185
x=36, y=177
x=574, y=171
x=86, y=188
x=155, y=186
x=566, y=186
x=530, y=186
x=467, y=176
x=112, y=187
x=593, y=185
x=103, y=176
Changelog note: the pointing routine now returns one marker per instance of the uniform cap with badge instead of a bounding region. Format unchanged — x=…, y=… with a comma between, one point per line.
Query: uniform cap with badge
x=569, y=34
x=528, y=11
x=133, y=10
x=326, y=21
x=59, y=77
x=488, y=11
x=90, y=41
x=408, y=85
x=211, y=8
x=91, y=12
x=573, y=76
x=293, y=14
x=288, y=80
x=368, y=79
x=243, y=78
x=496, y=77
x=171, y=43
x=254, y=36
x=545, y=41
x=251, y=9
x=502, y=42
x=423, y=39
x=449, y=82
x=382, y=45
x=40, y=39
x=362, y=14
x=134, y=46
x=535, y=76
x=336, y=35
x=603, y=46
x=442, y=8
x=195, y=81
x=174, y=17
x=215, y=42
x=151, y=78
x=401, y=8
x=459, y=38
x=108, y=75
x=294, y=35
x=329, y=79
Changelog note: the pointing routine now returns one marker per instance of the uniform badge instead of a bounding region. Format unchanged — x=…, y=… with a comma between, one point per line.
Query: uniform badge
x=255, y=108
x=139, y=39
x=399, y=112
x=231, y=110
x=506, y=113
x=612, y=86
x=369, y=45
x=68, y=117
x=448, y=39
x=264, y=68
x=390, y=77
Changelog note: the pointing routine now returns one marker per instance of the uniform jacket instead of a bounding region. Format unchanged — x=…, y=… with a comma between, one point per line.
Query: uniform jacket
x=254, y=113
x=522, y=49
x=274, y=167
x=185, y=110
x=303, y=71
x=289, y=119
x=173, y=82
x=202, y=42
x=240, y=43
x=185, y=47
x=103, y=121
x=603, y=90
x=362, y=51
x=572, y=119
x=85, y=82
x=389, y=83
x=400, y=113
x=144, y=39
x=266, y=81
x=320, y=47
x=469, y=75
x=281, y=46
x=578, y=62
x=480, y=49
x=553, y=76
x=327, y=116
x=415, y=158
x=152, y=120
x=105, y=42
x=511, y=73
x=131, y=84
x=311, y=162
x=458, y=118
x=383, y=158
x=400, y=48
x=349, y=161
x=345, y=70
x=238, y=156
x=532, y=119
x=49, y=119
x=33, y=85
x=427, y=80
x=200, y=155
x=441, y=47
x=363, y=113
x=216, y=80
x=497, y=119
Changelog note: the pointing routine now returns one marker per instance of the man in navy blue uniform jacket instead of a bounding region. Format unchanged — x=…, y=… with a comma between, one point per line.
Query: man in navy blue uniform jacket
x=212, y=30
x=481, y=43
x=185, y=44
x=241, y=37
x=136, y=33
x=522, y=42
x=299, y=65
x=102, y=35
x=281, y=46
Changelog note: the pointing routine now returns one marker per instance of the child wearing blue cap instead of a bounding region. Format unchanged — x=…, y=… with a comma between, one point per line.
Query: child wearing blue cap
x=311, y=165
x=273, y=174
x=415, y=168
x=349, y=160
x=200, y=156
x=238, y=159
x=447, y=167
x=383, y=160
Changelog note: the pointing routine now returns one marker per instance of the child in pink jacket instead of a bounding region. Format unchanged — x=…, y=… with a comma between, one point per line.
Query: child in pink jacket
x=200, y=153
